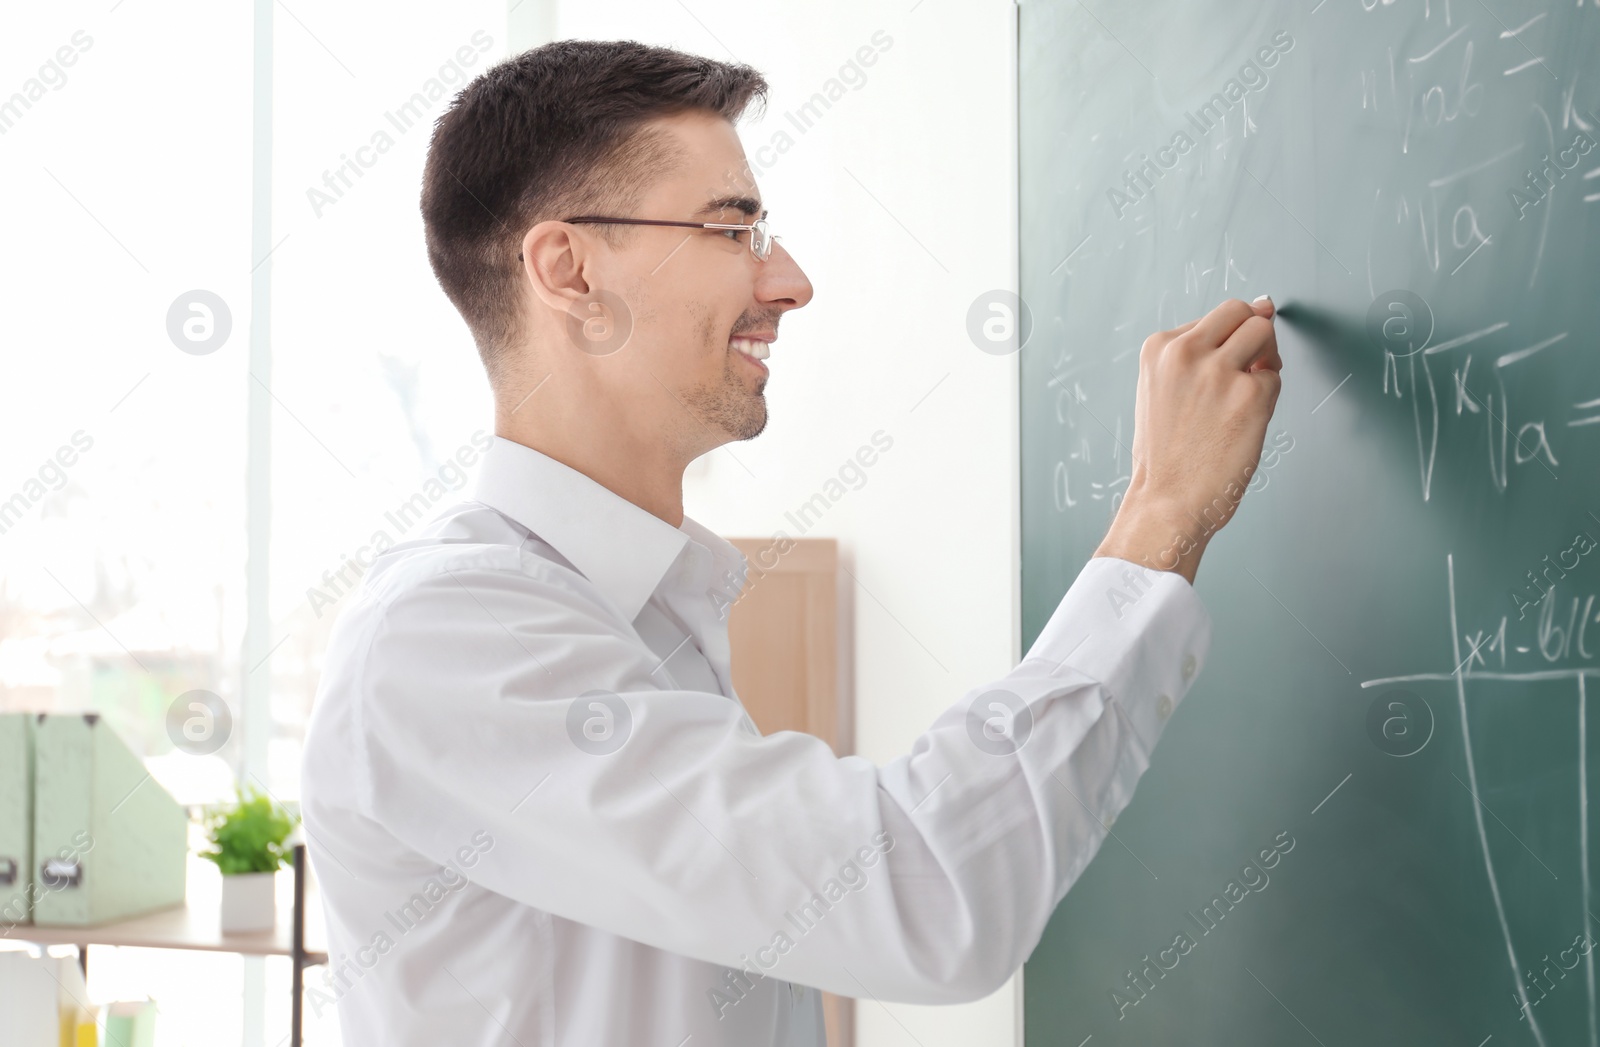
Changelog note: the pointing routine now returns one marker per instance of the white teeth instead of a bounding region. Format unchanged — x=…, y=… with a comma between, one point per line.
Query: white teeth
x=751, y=347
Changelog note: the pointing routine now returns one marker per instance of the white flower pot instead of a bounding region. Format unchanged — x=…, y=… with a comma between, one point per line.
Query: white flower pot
x=249, y=902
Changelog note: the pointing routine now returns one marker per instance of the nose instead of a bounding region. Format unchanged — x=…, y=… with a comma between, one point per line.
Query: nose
x=781, y=282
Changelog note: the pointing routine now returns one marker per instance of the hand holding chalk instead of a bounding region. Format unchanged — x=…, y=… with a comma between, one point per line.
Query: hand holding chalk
x=1206, y=392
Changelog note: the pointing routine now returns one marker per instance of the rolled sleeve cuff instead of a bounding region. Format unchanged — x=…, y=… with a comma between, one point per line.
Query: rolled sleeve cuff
x=1141, y=634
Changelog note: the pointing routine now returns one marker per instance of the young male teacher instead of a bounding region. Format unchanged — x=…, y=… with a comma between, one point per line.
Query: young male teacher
x=537, y=810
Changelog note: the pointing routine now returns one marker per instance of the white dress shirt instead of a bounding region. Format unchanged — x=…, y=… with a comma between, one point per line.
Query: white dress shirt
x=540, y=815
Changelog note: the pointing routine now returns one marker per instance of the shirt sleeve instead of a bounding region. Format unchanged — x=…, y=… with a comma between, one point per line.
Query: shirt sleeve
x=501, y=699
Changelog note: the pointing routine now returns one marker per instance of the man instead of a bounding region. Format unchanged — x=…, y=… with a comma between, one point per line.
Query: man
x=537, y=810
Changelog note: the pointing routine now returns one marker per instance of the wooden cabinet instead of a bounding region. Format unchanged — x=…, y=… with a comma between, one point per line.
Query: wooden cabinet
x=788, y=668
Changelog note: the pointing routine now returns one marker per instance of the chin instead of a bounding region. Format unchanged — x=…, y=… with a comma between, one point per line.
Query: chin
x=754, y=425
x=752, y=433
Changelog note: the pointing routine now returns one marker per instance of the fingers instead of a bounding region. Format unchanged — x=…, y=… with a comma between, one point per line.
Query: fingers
x=1215, y=327
x=1264, y=306
x=1253, y=346
x=1244, y=333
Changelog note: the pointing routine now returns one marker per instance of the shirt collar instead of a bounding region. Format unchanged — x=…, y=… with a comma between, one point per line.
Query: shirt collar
x=622, y=549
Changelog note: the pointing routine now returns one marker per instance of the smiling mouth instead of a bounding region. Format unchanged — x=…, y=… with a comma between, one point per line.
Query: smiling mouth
x=750, y=348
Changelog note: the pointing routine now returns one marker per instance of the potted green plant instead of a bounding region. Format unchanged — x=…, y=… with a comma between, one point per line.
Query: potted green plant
x=249, y=844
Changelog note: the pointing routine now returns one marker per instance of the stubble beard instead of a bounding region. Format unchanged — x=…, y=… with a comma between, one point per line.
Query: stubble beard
x=728, y=406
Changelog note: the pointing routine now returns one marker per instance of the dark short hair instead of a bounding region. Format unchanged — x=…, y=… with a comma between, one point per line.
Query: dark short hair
x=555, y=131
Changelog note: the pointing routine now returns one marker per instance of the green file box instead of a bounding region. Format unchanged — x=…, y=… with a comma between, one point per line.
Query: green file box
x=16, y=819
x=131, y=1024
x=108, y=841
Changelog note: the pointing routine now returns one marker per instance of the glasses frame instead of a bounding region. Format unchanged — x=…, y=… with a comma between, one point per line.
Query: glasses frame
x=759, y=230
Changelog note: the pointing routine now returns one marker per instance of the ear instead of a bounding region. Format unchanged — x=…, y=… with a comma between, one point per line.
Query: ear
x=555, y=257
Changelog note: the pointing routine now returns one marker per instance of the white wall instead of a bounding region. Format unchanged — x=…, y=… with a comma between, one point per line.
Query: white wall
x=900, y=203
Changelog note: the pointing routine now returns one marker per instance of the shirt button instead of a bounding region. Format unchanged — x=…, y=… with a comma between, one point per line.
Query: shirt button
x=1188, y=666
x=1164, y=707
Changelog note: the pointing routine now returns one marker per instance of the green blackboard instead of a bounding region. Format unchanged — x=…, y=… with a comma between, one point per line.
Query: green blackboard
x=1370, y=821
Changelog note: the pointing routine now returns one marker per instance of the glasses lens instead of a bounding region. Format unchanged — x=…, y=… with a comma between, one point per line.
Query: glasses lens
x=761, y=239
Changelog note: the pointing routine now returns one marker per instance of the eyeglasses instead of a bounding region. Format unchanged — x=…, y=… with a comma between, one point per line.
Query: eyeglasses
x=761, y=238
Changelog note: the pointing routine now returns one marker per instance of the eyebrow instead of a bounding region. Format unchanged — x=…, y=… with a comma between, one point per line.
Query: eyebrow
x=749, y=206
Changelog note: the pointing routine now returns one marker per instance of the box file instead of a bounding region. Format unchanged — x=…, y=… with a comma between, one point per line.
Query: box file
x=108, y=841
x=131, y=1024
x=16, y=819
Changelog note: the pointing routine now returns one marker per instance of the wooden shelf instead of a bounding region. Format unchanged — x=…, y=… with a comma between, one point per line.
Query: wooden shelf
x=194, y=925
x=300, y=933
